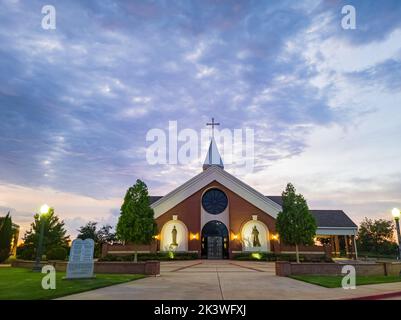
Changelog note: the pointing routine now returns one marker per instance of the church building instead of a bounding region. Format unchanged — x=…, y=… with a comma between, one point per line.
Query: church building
x=216, y=215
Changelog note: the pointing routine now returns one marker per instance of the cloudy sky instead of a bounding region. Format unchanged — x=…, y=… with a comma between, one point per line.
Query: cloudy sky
x=76, y=102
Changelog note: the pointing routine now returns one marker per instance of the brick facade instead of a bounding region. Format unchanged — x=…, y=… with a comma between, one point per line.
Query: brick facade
x=240, y=212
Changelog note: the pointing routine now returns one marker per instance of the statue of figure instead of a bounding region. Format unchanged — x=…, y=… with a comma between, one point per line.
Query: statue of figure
x=174, y=235
x=255, y=236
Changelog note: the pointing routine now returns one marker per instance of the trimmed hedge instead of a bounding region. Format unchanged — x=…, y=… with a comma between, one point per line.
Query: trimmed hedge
x=374, y=255
x=57, y=253
x=160, y=256
x=270, y=256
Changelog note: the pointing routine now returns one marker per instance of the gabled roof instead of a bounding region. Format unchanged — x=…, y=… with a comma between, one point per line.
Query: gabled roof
x=214, y=173
x=325, y=218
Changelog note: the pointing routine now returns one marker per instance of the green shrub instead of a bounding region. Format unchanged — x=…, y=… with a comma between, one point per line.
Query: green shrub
x=160, y=256
x=271, y=256
x=4, y=254
x=25, y=252
x=57, y=253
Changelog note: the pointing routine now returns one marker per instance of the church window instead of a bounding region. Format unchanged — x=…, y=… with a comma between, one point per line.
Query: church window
x=214, y=201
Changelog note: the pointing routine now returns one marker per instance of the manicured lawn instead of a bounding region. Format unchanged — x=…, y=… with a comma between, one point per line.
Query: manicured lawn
x=23, y=284
x=335, y=281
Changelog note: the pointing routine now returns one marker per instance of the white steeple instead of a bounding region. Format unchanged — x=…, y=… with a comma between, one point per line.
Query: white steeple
x=213, y=157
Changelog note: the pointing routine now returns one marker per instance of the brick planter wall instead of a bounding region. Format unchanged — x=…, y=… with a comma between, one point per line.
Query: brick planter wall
x=127, y=249
x=147, y=267
x=151, y=268
x=285, y=269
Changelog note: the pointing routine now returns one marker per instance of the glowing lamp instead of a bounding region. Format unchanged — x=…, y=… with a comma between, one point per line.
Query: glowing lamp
x=44, y=209
x=396, y=213
x=194, y=236
x=257, y=255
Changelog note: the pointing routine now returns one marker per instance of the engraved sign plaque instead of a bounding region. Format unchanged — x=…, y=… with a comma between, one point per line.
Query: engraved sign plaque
x=80, y=264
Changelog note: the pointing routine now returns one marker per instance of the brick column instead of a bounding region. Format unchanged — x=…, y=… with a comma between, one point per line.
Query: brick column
x=333, y=246
x=283, y=268
x=337, y=245
x=104, y=250
x=347, y=251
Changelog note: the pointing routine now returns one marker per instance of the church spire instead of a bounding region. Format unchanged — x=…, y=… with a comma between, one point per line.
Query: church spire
x=213, y=157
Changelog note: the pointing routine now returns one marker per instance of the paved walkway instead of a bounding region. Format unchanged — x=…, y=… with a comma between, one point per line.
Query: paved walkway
x=225, y=280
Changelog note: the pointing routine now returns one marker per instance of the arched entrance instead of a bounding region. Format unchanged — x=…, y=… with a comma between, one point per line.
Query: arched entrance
x=214, y=240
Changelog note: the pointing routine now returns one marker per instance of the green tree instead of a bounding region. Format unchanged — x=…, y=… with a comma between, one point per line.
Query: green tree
x=377, y=236
x=54, y=233
x=101, y=236
x=105, y=235
x=6, y=236
x=136, y=223
x=295, y=224
x=88, y=231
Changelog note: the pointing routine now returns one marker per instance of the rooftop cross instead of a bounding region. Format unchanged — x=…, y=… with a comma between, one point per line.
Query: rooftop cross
x=212, y=124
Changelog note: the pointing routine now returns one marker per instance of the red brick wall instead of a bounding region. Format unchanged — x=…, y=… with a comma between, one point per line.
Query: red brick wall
x=130, y=248
x=241, y=211
x=147, y=267
x=285, y=269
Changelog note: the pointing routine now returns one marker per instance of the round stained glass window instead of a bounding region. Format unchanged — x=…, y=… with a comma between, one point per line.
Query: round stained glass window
x=214, y=201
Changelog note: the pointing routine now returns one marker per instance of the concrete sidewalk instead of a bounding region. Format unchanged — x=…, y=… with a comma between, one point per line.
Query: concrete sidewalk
x=224, y=280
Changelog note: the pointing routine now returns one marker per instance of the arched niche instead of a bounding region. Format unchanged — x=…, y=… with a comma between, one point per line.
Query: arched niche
x=248, y=233
x=166, y=236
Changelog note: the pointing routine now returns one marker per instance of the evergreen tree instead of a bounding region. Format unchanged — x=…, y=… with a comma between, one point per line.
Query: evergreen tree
x=6, y=236
x=54, y=233
x=295, y=224
x=136, y=223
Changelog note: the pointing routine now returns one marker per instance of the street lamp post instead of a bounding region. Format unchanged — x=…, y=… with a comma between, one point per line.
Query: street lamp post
x=396, y=215
x=43, y=211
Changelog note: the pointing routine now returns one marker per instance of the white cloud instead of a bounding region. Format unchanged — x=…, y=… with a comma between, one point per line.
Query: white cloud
x=339, y=55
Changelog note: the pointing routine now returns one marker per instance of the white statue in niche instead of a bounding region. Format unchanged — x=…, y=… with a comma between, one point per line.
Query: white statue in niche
x=174, y=237
x=255, y=237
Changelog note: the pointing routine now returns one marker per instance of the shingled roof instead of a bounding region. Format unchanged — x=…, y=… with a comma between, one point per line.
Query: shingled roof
x=324, y=218
x=153, y=199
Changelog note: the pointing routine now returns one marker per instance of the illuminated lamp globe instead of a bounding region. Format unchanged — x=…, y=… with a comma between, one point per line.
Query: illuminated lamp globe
x=396, y=213
x=44, y=209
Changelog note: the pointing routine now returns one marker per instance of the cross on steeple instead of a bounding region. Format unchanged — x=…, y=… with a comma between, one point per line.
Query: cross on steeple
x=212, y=124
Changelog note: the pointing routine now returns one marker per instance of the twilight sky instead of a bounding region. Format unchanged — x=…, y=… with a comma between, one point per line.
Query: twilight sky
x=76, y=102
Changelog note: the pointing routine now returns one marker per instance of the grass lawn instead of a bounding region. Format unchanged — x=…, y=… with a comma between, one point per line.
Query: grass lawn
x=335, y=281
x=23, y=284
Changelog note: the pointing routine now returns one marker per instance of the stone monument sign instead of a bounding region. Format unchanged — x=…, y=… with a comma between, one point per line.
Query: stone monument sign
x=80, y=264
